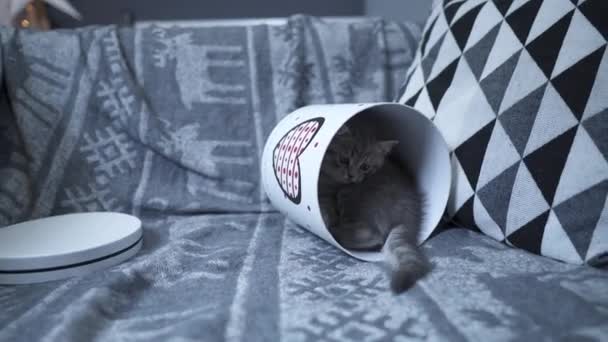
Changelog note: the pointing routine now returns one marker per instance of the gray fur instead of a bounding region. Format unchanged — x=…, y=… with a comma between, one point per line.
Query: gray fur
x=373, y=207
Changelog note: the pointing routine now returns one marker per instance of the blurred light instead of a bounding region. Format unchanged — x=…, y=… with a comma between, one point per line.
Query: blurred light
x=25, y=23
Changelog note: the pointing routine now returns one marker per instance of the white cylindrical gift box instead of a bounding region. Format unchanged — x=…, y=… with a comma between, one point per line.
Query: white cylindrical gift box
x=293, y=154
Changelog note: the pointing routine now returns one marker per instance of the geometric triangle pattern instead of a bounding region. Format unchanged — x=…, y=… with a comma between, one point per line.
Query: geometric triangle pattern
x=461, y=29
x=597, y=126
x=550, y=11
x=556, y=243
x=500, y=154
x=595, y=11
x=521, y=19
x=450, y=11
x=519, y=89
x=572, y=51
x=582, y=74
x=496, y=194
x=545, y=48
x=527, y=77
x=576, y=225
x=547, y=163
x=519, y=126
x=485, y=220
x=526, y=201
x=478, y=54
x=553, y=118
x=495, y=84
x=469, y=151
x=530, y=235
x=429, y=60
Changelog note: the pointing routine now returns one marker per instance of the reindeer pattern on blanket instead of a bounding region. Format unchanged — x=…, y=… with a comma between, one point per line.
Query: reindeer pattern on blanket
x=203, y=158
x=195, y=66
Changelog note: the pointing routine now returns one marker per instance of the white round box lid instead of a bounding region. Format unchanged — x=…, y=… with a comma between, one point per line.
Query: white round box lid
x=49, y=246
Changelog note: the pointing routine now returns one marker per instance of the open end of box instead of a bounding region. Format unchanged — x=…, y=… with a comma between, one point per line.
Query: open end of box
x=371, y=120
x=421, y=153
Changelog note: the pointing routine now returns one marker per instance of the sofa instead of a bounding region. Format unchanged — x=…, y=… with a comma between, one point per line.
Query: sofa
x=167, y=121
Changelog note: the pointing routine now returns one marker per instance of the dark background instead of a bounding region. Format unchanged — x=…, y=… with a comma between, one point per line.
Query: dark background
x=102, y=12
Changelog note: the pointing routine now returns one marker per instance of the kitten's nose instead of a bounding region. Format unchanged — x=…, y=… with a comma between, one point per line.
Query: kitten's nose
x=351, y=177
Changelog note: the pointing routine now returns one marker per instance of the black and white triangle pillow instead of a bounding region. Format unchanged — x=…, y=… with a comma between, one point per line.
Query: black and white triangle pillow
x=520, y=91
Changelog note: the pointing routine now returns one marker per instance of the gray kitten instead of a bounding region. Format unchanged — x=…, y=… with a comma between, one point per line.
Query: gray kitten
x=368, y=202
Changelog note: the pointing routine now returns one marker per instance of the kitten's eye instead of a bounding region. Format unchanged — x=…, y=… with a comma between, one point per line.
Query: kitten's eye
x=364, y=167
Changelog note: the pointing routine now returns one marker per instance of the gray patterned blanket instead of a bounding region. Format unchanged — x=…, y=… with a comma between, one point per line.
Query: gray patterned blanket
x=167, y=122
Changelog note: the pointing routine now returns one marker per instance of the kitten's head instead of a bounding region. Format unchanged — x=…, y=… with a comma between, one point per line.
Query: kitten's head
x=354, y=154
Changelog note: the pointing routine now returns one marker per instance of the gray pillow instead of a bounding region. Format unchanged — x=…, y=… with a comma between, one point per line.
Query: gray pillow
x=518, y=88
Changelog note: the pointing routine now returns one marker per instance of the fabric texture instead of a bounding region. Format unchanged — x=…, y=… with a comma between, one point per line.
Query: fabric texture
x=518, y=88
x=173, y=118
x=257, y=277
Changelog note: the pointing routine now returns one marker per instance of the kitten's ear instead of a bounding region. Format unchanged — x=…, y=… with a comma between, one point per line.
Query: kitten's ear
x=386, y=146
x=343, y=130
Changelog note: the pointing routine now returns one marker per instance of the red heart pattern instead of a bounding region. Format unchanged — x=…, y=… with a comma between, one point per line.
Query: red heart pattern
x=286, y=162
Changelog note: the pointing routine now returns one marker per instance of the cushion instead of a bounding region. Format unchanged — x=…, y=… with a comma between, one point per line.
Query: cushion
x=518, y=88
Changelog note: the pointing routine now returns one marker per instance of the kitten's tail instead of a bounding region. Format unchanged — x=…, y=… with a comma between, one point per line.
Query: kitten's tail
x=406, y=261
